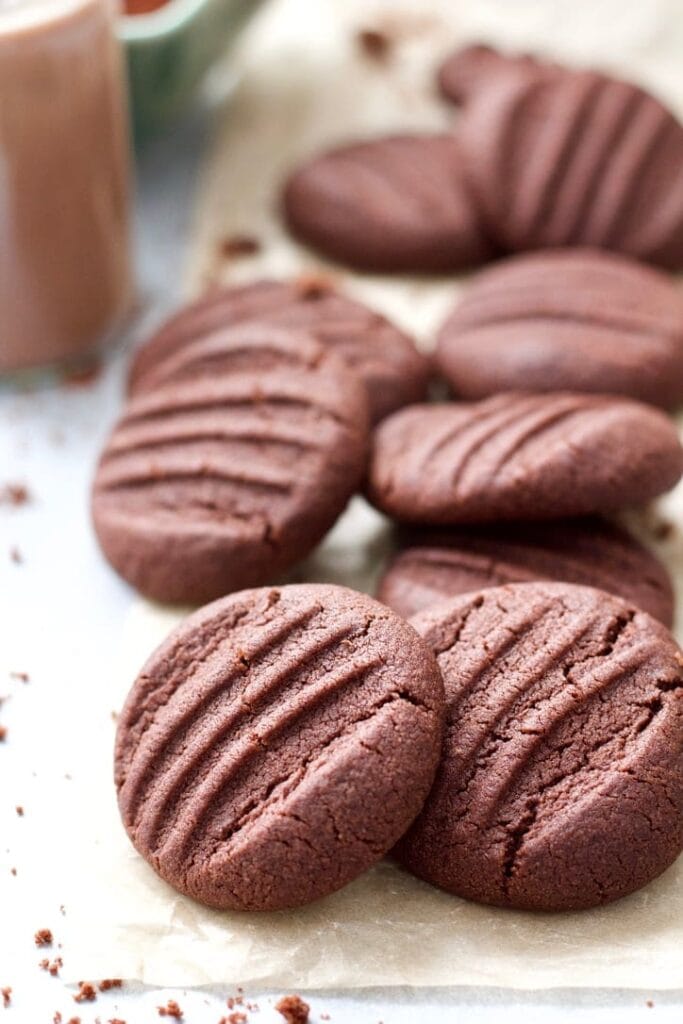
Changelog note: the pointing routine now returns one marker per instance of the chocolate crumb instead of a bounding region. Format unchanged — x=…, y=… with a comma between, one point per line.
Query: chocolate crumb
x=3, y=733
x=51, y=966
x=234, y=1018
x=663, y=529
x=171, y=1010
x=84, y=375
x=649, y=1003
x=57, y=1019
x=6, y=994
x=239, y=245
x=115, y=1020
x=13, y=871
x=16, y=555
x=22, y=677
x=293, y=1009
x=20, y=810
x=43, y=936
x=313, y=286
x=108, y=983
x=86, y=993
x=14, y=494
x=373, y=43
x=74, y=1020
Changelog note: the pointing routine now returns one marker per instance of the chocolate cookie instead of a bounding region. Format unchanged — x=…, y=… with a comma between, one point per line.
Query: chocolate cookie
x=519, y=456
x=567, y=158
x=561, y=782
x=394, y=372
x=396, y=204
x=212, y=484
x=278, y=744
x=572, y=319
x=437, y=564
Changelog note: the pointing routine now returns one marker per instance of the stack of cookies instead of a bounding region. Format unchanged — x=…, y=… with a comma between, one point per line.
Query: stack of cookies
x=507, y=715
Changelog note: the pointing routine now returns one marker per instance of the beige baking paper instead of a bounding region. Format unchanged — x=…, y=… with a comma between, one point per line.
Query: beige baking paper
x=305, y=83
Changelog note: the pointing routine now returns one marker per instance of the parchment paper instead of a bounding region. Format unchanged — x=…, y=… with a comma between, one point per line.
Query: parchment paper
x=306, y=83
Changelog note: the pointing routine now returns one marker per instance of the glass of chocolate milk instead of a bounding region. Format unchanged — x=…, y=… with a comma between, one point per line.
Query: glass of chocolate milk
x=64, y=168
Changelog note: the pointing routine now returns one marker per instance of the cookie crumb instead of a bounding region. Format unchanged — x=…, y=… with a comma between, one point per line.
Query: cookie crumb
x=86, y=993
x=234, y=1018
x=13, y=871
x=293, y=1009
x=43, y=936
x=313, y=286
x=115, y=1020
x=663, y=529
x=84, y=375
x=74, y=1020
x=20, y=810
x=15, y=494
x=373, y=43
x=239, y=245
x=3, y=733
x=16, y=555
x=22, y=677
x=649, y=1003
x=57, y=1019
x=51, y=966
x=6, y=994
x=170, y=1010
x=108, y=983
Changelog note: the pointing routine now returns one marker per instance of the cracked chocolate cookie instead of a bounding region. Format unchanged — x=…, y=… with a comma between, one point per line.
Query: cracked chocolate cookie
x=394, y=204
x=520, y=456
x=278, y=744
x=436, y=564
x=563, y=157
x=212, y=484
x=561, y=783
x=567, y=320
x=189, y=343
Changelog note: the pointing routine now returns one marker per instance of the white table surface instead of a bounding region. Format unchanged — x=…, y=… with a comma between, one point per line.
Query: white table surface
x=62, y=611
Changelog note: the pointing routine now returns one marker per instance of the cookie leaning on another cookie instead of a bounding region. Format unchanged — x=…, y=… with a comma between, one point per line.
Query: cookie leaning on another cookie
x=277, y=745
x=567, y=320
x=562, y=157
x=520, y=456
x=561, y=782
x=394, y=372
x=212, y=484
x=397, y=204
x=435, y=564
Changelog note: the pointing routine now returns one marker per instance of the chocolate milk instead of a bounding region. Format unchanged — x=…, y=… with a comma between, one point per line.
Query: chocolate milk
x=64, y=246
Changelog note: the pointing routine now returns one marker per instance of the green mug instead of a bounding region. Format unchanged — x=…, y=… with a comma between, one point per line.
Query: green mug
x=169, y=52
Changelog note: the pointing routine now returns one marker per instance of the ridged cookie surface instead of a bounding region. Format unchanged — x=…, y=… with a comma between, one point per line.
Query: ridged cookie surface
x=561, y=783
x=567, y=320
x=386, y=359
x=394, y=204
x=440, y=563
x=560, y=157
x=277, y=744
x=212, y=484
x=519, y=456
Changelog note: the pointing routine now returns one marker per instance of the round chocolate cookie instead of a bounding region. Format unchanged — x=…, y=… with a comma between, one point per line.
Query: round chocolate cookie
x=519, y=456
x=437, y=564
x=394, y=372
x=567, y=158
x=396, y=204
x=567, y=320
x=277, y=745
x=211, y=484
x=561, y=782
